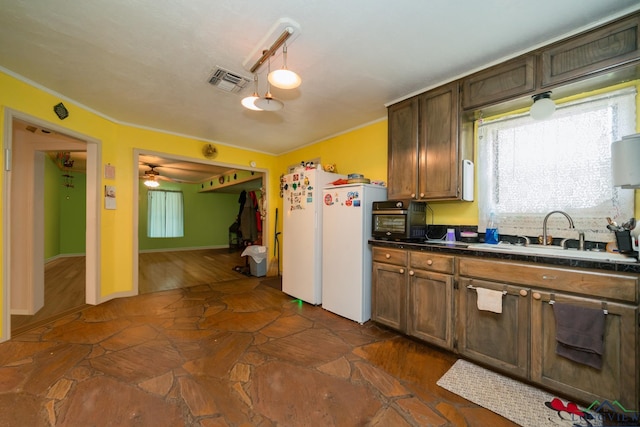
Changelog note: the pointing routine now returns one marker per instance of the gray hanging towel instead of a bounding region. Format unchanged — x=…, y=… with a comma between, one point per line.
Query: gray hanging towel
x=580, y=333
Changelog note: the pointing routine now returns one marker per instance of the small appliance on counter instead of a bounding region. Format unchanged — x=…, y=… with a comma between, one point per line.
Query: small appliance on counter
x=403, y=220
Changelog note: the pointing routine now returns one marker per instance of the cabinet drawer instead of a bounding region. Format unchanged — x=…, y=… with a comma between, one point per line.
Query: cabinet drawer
x=430, y=261
x=617, y=286
x=390, y=256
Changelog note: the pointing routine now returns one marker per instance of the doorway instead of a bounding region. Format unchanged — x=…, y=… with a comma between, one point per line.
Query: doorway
x=28, y=139
x=171, y=266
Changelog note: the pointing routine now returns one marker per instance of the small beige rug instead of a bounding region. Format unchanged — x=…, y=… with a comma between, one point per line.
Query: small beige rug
x=518, y=402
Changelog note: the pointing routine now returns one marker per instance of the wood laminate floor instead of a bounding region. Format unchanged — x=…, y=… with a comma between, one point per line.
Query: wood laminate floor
x=65, y=279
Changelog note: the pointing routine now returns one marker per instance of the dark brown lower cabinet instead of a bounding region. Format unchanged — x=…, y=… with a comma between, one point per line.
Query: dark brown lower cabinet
x=431, y=307
x=433, y=297
x=388, y=297
x=616, y=381
x=500, y=340
x=388, y=287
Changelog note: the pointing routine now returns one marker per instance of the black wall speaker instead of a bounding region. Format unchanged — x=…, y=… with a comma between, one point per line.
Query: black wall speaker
x=61, y=111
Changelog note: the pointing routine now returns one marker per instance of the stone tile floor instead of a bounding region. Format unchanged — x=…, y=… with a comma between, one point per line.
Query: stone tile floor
x=234, y=353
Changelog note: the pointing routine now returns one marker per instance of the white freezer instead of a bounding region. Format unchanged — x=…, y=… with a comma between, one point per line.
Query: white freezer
x=302, y=233
x=346, y=259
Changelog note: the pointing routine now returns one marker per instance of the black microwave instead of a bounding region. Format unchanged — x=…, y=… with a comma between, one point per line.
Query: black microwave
x=404, y=220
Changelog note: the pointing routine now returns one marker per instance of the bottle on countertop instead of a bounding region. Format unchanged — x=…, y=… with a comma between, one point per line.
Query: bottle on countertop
x=491, y=233
x=451, y=235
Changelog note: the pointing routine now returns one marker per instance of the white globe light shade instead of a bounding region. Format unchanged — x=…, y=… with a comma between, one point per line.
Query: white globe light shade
x=284, y=79
x=542, y=108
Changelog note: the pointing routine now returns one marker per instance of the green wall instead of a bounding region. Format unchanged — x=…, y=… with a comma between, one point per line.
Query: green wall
x=207, y=217
x=73, y=217
x=64, y=212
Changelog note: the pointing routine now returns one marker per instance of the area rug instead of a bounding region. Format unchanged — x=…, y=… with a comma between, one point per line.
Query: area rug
x=521, y=403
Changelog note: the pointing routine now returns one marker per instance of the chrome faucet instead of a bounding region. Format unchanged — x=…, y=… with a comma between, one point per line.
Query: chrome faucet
x=544, y=224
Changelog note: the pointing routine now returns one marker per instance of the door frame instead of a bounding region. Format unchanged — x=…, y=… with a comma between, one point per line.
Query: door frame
x=136, y=199
x=93, y=213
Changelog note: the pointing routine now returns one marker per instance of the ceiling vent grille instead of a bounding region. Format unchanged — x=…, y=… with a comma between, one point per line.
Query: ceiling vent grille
x=227, y=81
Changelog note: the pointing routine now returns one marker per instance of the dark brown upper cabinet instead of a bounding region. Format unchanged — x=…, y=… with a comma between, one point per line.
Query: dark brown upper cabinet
x=512, y=79
x=612, y=45
x=423, y=146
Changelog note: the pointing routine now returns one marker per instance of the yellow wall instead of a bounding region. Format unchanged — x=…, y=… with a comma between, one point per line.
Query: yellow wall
x=118, y=142
x=363, y=151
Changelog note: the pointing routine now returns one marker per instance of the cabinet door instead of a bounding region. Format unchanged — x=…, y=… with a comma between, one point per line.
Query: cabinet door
x=403, y=150
x=438, y=148
x=610, y=46
x=388, y=295
x=618, y=378
x=502, y=82
x=430, y=307
x=499, y=340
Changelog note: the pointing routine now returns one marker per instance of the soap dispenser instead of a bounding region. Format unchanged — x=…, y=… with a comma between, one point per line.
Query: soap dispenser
x=491, y=233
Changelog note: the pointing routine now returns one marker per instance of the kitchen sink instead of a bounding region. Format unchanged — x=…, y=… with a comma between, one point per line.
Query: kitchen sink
x=553, y=251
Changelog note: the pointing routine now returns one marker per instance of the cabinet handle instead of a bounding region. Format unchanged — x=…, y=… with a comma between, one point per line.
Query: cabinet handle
x=387, y=256
x=411, y=273
x=429, y=262
x=413, y=195
x=536, y=296
x=523, y=293
x=547, y=277
x=422, y=195
x=402, y=271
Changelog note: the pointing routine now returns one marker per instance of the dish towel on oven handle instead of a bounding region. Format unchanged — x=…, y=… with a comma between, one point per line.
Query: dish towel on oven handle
x=489, y=300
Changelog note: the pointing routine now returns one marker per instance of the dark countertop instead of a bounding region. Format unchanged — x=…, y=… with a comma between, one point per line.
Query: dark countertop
x=566, y=258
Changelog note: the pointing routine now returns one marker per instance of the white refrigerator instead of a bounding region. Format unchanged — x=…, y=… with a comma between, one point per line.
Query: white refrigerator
x=302, y=233
x=346, y=254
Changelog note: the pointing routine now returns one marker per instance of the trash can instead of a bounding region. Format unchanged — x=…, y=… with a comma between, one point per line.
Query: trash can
x=257, y=260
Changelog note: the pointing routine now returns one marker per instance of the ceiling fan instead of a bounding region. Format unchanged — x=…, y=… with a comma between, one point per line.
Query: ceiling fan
x=150, y=176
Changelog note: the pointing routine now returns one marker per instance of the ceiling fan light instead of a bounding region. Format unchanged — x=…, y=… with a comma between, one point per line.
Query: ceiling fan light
x=151, y=182
x=543, y=106
x=284, y=79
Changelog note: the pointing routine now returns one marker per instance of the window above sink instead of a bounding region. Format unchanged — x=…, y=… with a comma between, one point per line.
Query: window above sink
x=527, y=168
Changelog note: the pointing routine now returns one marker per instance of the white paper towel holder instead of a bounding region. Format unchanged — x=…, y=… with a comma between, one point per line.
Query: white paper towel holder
x=467, y=180
x=624, y=161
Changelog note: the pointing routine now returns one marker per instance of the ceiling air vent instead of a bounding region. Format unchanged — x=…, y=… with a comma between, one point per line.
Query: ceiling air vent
x=227, y=81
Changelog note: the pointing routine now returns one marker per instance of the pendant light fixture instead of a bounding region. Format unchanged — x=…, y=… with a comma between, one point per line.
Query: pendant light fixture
x=268, y=102
x=543, y=106
x=249, y=101
x=284, y=78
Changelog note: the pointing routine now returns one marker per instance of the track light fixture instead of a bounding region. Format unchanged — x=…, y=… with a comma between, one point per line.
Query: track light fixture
x=283, y=78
